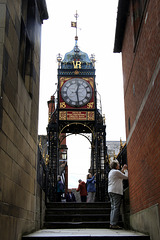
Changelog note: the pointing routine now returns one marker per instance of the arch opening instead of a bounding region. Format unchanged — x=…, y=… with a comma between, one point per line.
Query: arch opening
x=79, y=159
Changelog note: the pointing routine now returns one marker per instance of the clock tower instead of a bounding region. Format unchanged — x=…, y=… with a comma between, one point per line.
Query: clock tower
x=77, y=112
x=76, y=84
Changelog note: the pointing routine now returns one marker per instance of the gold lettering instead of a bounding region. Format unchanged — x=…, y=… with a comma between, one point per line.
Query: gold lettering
x=62, y=115
x=90, y=105
x=62, y=105
x=77, y=64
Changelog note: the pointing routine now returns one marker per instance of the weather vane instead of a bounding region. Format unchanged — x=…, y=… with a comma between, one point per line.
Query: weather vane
x=74, y=24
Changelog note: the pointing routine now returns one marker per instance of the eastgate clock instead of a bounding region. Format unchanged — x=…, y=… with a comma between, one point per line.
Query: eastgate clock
x=76, y=92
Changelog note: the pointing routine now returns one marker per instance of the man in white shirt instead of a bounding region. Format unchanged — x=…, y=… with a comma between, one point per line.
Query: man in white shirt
x=115, y=191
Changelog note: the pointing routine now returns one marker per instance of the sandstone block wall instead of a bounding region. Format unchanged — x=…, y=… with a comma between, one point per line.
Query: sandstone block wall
x=18, y=127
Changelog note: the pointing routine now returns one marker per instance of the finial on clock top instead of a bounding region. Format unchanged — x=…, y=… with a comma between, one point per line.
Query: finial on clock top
x=74, y=24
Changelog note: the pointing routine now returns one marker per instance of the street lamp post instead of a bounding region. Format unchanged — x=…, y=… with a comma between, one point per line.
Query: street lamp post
x=63, y=167
x=64, y=155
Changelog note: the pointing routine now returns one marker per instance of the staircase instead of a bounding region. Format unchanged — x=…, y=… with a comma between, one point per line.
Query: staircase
x=77, y=215
x=77, y=221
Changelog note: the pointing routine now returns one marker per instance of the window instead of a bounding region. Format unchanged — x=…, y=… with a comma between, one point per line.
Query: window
x=138, y=13
x=129, y=124
x=27, y=43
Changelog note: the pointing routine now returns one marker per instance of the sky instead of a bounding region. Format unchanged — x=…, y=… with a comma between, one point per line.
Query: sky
x=96, y=33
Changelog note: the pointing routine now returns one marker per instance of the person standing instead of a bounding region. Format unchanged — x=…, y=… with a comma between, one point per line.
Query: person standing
x=115, y=191
x=82, y=189
x=60, y=188
x=70, y=197
x=91, y=189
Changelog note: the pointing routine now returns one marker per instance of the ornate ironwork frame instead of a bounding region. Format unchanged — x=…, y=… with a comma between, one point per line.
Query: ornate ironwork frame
x=96, y=128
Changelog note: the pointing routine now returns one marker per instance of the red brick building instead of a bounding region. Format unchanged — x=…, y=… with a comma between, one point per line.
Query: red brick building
x=138, y=39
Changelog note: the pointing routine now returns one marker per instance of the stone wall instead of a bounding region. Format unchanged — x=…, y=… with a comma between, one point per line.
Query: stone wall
x=147, y=221
x=40, y=207
x=18, y=124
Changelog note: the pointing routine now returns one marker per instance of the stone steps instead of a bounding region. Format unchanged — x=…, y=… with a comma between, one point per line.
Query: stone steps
x=85, y=234
x=80, y=221
x=73, y=215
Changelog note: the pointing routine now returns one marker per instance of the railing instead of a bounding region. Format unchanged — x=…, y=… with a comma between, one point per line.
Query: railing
x=99, y=104
x=41, y=170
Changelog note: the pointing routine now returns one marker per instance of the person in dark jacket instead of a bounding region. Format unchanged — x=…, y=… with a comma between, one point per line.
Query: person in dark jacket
x=70, y=197
x=91, y=189
x=60, y=188
x=82, y=189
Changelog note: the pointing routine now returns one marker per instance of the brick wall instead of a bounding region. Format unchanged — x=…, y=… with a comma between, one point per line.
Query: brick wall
x=141, y=70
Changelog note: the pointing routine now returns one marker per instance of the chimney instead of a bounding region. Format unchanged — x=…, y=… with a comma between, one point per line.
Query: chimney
x=51, y=107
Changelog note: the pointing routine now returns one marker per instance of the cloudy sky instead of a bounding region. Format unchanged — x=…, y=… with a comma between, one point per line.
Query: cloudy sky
x=96, y=33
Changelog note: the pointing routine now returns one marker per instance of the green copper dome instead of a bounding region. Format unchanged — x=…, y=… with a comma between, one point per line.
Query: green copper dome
x=76, y=55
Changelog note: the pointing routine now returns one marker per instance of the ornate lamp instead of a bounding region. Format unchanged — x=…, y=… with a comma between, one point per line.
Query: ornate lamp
x=59, y=59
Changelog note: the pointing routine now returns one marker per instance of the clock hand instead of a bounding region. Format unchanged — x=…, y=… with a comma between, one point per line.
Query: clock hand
x=73, y=90
x=77, y=92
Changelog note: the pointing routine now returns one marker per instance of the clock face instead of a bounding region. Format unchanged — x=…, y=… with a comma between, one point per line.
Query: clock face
x=76, y=92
